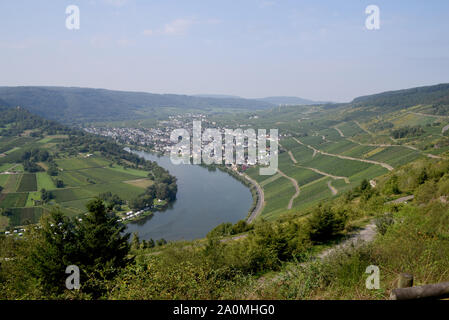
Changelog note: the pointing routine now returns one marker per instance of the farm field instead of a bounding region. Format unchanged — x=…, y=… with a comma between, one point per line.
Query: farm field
x=83, y=178
x=44, y=181
x=27, y=183
x=349, y=149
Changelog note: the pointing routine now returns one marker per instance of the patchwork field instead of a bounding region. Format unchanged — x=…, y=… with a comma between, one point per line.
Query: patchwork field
x=83, y=178
x=27, y=183
x=338, y=150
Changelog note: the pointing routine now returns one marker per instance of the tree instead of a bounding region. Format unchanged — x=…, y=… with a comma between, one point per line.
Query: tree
x=135, y=242
x=59, y=183
x=325, y=224
x=95, y=243
x=102, y=246
x=392, y=186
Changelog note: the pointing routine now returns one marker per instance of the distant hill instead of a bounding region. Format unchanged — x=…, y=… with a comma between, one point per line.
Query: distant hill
x=437, y=95
x=217, y=96
x=289, y=101
x=71, y=105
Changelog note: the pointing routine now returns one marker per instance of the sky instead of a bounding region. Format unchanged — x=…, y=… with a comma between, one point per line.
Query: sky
x=318, y=50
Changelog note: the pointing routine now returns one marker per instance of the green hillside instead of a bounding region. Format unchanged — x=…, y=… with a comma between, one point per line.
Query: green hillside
x=328, y=151
x=44, y=164
x=73, y=105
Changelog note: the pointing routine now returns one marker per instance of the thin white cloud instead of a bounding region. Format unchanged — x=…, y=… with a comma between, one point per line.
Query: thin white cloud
x=266, y=4
x=21, y=44
x=174, y=28
x=116, y=3
x=178, y=27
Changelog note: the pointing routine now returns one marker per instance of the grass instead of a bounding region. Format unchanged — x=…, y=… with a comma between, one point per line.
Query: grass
x=13, y=200
x=417, y=245
x=336, y=166
x=134, y=172
x=396, y=156
x=23, y=216
x=4, y=222
x=81, y=163
x=73, y=178
x=313, y=193
x=31, y=197
x=71, y=194
x=53, y=138
x=44, y=181
x=6, y=166
x=104, y=175
x=3, y=179
x=11, y=183
x=277, y=196
x=141, y=183
x=27, y=183
x=79, y=205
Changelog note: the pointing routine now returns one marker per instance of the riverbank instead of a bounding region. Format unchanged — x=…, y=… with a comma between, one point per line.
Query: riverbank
x=256, y=191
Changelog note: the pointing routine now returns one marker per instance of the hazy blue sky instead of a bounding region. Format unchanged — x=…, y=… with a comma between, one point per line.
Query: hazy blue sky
x=252, y=48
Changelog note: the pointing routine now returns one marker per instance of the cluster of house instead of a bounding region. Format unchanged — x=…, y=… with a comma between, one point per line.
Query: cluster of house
x=131, y=214
x=17, y=232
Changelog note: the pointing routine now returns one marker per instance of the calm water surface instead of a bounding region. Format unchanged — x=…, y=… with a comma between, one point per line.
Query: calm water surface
x=204, y=200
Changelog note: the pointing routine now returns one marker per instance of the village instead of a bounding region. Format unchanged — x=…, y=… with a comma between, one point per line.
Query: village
x=158, y=139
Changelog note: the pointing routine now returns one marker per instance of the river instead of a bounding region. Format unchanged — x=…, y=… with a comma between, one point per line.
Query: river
x=204, y=200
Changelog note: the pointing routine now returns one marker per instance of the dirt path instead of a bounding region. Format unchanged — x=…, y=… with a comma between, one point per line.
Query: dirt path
x=367, y=131
x=340, y=132
x=295, y=184
x=385, y=165
x=366, y=234
x=326, y=174
x=333, y=190
x=382, y=145
x=401, y=200
x=428, y=115
x=394, y=145
x=292, y=157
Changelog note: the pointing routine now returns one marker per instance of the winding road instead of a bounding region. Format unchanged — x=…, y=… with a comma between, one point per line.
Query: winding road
x=295, y=184
x=333, y=190
x=260, y=199
x=385, y=165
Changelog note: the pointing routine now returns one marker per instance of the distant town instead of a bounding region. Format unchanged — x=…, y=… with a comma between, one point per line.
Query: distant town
x=158, y=139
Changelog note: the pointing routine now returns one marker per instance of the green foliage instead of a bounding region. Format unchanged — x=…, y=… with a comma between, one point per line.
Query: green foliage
x=227, y=229
x=325, y=223
x=407, y=131
x=384, y=222
x=392, y=186
x=94, y=244
x=381, y=126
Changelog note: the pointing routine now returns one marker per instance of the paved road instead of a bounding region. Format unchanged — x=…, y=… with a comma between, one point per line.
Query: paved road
x=260, y=199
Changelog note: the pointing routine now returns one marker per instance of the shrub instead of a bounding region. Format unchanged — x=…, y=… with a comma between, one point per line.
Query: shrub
x=384, y=222
x=324, y=224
